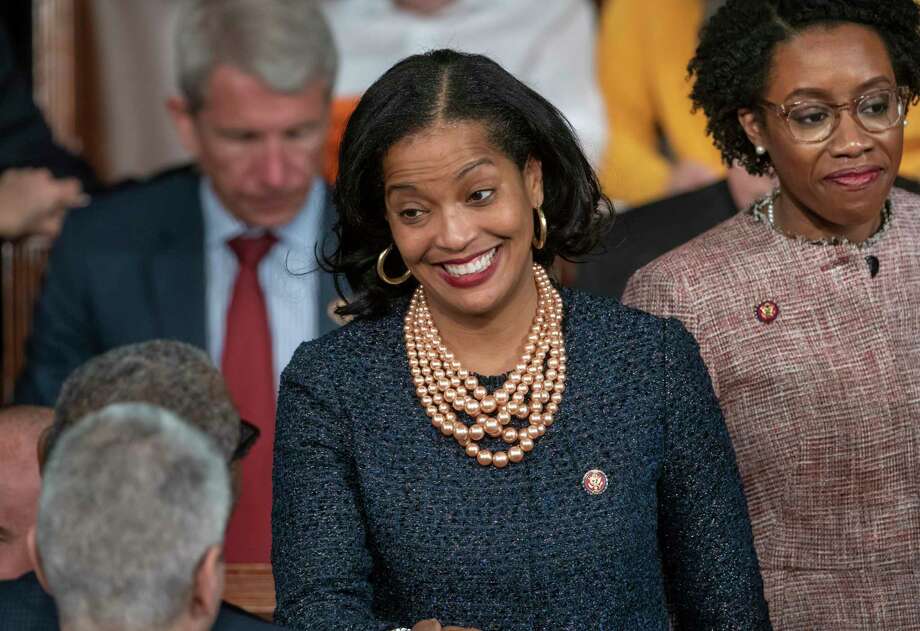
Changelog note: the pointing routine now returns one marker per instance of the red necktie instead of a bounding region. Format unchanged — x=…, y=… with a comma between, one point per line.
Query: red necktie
x=249, y=371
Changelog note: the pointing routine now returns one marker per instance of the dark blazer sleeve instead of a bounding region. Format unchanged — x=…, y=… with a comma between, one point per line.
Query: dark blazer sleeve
x=320, y=557
x=705, y=535
x=63, y=333
x=25, y=140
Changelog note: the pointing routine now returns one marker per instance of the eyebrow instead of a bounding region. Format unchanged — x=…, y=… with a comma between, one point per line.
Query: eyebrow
x=819, y=93
x=409, y=186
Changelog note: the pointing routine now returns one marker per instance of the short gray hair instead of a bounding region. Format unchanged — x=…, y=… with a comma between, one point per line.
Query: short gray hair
x=287, y=44
x=131, y=501
x=170, y=374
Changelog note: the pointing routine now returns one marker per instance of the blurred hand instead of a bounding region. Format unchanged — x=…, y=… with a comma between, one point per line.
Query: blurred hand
x=434, y=625
x=746, y=188
x=689, y=176
x=32, y=201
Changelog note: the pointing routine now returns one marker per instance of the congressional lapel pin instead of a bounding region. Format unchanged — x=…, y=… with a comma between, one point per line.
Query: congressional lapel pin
x=767, y=311
x=595, y=482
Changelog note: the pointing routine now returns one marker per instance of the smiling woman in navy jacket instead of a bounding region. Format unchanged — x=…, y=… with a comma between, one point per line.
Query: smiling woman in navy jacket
x=478, y=447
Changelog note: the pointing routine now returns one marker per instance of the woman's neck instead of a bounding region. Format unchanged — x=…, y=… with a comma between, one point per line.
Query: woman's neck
x=490, y=344
x=795, y=219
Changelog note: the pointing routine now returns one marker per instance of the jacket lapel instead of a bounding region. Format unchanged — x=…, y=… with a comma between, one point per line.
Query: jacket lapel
x=177, y=270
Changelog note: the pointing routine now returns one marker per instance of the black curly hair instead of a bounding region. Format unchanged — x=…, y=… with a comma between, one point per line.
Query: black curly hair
x=445, y=85
x=733, y=59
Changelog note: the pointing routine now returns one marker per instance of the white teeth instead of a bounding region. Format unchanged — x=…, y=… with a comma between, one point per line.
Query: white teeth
x=472, y=267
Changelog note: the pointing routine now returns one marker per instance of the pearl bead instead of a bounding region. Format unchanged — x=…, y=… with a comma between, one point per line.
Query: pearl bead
x=461, y=433
x=500, y=459
x=472, y=450
x=472, y=407
x=488, y=404
x=520, y=368
x=510, y=435
x=421, y=391
x=431, y=410
x=515, y=454
x=447, y=428
x=443, y=408
x=492, y=427
x=479, y=392
x=462, y=372
x=504, y=417
x=459, y=404
x=443, y=384
x=527, y=379
x=552, y=408
x=512, y=407
x=454, y=382
x=536, y=406
x=533, y=432
x=437, y=397
x=471, y=383
x=526, y=443
x=426, y=400
x=548, y=419
x=484, y=457
x=509, y=386
x=461, y=391
x=477, y=432
x=541, y=429
x=523, y=411
x=449, y=395
x=501, y=397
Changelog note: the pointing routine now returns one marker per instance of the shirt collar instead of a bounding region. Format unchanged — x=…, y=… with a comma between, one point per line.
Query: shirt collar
x=301, y=233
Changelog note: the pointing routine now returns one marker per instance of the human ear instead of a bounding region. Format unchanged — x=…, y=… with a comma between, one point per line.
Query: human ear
x=184, y=120
x=36, y=559
x=533, y=181
x=208, y=587
x=753, y=128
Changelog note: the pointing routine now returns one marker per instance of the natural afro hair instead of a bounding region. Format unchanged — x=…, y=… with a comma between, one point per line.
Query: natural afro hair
x=733, y=59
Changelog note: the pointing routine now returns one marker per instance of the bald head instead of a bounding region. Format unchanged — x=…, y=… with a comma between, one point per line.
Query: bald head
x=20, y=483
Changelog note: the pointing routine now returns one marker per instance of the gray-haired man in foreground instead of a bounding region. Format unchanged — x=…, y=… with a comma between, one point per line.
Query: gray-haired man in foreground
x=131, y=521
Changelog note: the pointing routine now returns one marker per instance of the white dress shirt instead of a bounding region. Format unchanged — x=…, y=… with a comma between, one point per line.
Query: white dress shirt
x=290, y=293
x=547, y=44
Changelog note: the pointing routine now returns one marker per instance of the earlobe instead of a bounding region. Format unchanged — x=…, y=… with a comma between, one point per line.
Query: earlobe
x=752, y=128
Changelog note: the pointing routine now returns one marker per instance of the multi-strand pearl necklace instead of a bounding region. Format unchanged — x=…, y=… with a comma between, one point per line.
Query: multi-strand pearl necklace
x=532, y=391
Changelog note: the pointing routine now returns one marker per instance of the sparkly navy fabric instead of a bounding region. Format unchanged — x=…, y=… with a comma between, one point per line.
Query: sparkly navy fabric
x=379, y=521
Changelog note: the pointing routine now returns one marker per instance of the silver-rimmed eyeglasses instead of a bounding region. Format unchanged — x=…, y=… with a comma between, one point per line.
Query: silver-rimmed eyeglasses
x=815, y=121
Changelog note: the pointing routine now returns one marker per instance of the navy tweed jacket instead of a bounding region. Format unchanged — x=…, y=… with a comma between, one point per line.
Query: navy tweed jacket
x=379, y=521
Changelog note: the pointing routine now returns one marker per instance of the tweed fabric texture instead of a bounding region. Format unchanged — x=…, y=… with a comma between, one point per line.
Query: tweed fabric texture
x=823, y=405
x=379, y=521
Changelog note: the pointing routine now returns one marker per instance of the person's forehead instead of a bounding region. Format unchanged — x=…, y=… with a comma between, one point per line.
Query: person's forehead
x=234, y=95
x=832, y=59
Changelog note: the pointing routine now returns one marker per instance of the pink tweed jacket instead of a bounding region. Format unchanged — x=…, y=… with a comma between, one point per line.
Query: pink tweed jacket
x=816, y=363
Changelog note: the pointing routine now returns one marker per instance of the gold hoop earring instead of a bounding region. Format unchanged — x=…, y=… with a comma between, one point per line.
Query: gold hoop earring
x=539, y=242
x=399, y=280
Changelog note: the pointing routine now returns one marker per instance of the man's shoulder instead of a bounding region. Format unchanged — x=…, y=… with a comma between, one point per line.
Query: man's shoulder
x=160, y=196
x=25, y=606
x=133, y=210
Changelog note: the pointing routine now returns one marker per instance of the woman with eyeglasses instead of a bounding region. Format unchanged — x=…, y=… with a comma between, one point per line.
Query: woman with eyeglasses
x=806, y=305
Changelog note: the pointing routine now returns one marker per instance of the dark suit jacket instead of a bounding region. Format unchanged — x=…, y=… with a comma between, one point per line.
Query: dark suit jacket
x=25, y=606
x=128, y=268
x=642, y=234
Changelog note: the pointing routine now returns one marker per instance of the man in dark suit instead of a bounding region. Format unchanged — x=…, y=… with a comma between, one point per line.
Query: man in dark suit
x=222, y=254
x=172, y=375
